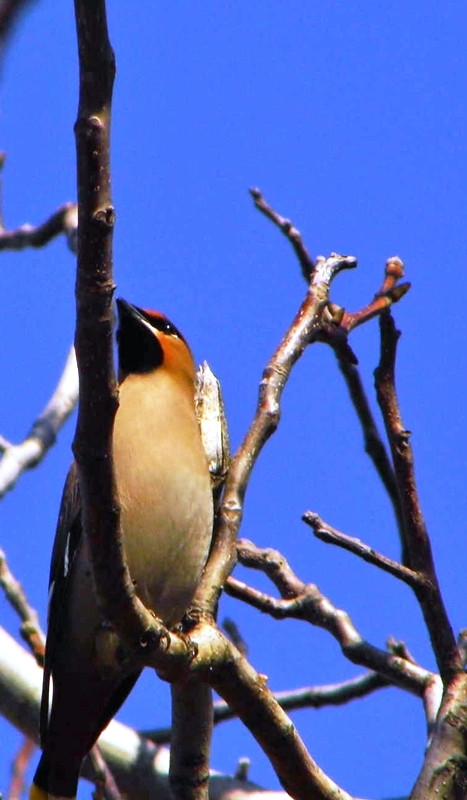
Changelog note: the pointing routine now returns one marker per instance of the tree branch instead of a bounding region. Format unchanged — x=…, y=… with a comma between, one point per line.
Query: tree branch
x=416, y=540
x=316, y=319
x=334, y=694
x=190, y=739
x=64, y=220
x=444, y=770
x=18, y=458
x=331, y=535
x=104, y=781
x=245, y=691
x=21, y=762
x=140, y=768
x=302, y=332
x=305, y=602
x=92, y=445
x=10, y=11
x=289, y=231
x=233, y=632
x=374, y=445
x=390, y=292
x=30, y=629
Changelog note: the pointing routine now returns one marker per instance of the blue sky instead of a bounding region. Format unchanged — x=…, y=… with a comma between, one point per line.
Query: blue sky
x=351, y=119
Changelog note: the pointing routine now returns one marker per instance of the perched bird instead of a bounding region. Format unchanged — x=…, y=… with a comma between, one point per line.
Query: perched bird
x=164, y=490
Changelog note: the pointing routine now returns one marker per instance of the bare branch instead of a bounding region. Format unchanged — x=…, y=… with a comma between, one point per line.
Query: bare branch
x=390, y=292
x=331, y=535
x=337, y=338
x=106, y=788
x=10, y=11
x=335, y=694
x=92, y=445
x=219, y=663
x=444, y=770
x=374, y=444
x=30, y=629
x=64, y=220
x=287, y=228
x=18, y=458
x=399, y=648
x=246, y=692
x=19, y=769
x=302, y=332
x=416, y=540
x=232, y=631
x=243, y=769
x=305, y=602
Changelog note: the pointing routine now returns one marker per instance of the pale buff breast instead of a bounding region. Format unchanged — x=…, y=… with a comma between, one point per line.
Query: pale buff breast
x=164, y=489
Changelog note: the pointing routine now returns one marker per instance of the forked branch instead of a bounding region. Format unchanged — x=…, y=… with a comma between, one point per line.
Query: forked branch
x=304, y=329
x=304, y=601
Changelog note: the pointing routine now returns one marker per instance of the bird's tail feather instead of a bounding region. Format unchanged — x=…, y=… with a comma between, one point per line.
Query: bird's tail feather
x=59, y=782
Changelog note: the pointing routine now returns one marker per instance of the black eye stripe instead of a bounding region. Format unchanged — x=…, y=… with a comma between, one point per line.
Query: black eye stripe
x=161, y=323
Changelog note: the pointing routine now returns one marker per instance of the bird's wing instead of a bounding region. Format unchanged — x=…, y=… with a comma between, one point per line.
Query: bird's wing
x=66, y=546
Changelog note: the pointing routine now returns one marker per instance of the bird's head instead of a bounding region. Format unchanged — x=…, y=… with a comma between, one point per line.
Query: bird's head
x=147, y=341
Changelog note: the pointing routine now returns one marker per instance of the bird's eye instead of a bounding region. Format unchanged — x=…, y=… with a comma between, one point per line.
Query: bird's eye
x=170, y=329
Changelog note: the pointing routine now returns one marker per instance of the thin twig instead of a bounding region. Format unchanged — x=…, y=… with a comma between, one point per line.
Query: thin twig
x=289, y=230
x=374, y=445
x=243, y=769
x=64, y=220
x=416, y=539
x=399, y=648
x=104, y=781
x=29, y=453
x=330, y=535
x=10, y=12
x=337, y=338
x=390, y=292
x=30, y=629
x=335, y=694
x=19, y=769
x=233, y=632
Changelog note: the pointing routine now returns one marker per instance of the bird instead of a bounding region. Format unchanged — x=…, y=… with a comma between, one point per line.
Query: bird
x=164, y=491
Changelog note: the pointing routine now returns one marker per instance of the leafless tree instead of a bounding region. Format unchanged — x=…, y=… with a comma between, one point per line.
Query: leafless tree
x=205, y=656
